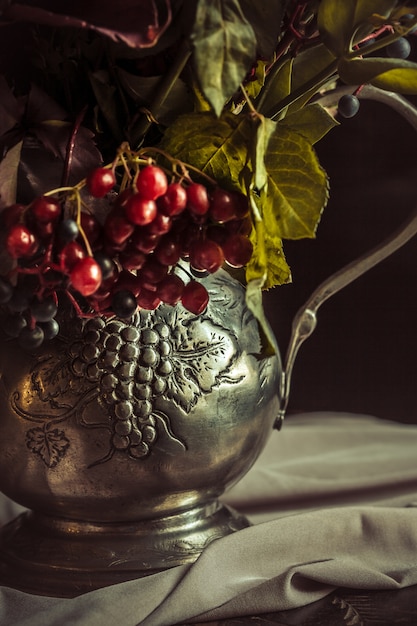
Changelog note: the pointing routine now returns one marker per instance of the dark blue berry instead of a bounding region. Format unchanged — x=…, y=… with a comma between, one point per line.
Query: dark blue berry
x=44, y=310
x=68, y=230
x=106, y=264
x=31, y=338
x=399, y=49
x=124, y=303
x=50, y=329
x=13, y=325
x=348, y=106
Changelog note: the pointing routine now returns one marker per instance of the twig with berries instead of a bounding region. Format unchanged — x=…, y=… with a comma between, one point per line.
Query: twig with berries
x=156, y=215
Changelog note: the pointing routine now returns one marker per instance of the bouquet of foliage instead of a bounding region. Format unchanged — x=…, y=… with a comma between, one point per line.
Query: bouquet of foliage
x=140, y=133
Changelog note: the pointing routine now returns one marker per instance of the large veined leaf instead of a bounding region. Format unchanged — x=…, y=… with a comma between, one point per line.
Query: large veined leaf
x=392, y=74
x=224, y=49
x=237, y=151
x=338, y=22
x=297, y=186
x=219, y=147
x=264, y=131
x=268, y=266
x=313, y=121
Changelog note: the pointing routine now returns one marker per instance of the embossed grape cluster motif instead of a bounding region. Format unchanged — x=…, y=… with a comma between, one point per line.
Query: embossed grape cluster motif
x=130, y=378
x=162, y=355
x=132, y=365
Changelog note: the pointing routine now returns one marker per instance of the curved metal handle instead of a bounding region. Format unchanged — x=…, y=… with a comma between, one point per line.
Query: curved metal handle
x=305, y=320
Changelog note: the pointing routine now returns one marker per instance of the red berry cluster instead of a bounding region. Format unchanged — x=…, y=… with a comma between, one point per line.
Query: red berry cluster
x=126, y=262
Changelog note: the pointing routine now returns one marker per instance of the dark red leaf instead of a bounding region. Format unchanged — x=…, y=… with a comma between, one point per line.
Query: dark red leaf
x=137, y=23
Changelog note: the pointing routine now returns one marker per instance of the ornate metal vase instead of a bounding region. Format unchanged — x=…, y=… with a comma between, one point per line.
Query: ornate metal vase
x=119, y=437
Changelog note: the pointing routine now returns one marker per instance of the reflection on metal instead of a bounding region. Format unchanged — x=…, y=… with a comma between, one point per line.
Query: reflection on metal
x=120, y=437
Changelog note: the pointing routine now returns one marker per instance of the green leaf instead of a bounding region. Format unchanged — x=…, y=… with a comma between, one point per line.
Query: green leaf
x=289, y=206
x=334, y=21
x=224, y=49
x=265, y=18
x=263, y=134
x=231, y=149
x=255, y=305
x=278, y=86
x=309, y=63
x=309, y=69
x=313, y=122
x=254, y=86
x=268, y=266
x=142, y=88
x=220, y=147
x=400, y=80
x=297, y=186
x=393, y=74
x=338, y=22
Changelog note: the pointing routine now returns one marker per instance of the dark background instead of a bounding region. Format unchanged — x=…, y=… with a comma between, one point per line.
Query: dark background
x=362, y=356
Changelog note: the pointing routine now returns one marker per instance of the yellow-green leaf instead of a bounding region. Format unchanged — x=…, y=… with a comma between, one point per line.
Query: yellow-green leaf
x=311, y=67
x=297, y=186
x=277, y=87
x=334, y=21
x=254, y=86
x=224, y=49
x=400, y=80
x=397, y=75
x=313, y=122
x=219, y=147
x=339, y=22
x=263, y=134
x=268, y=265
x=255, y=304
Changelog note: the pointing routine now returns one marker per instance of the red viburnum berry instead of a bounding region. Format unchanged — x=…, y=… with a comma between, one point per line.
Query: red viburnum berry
x=237, y=250
x=140, y=210
x=151, y=182
x=46, y=209
x=21, y=242
x=100, y=181
x=198, y=202
x=70, y=254
x=174, y=200
x=170, y=289
x=86, y=276
x=206, y=255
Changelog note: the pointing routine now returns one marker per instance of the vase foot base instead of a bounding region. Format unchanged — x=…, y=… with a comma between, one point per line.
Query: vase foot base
x=65, y=558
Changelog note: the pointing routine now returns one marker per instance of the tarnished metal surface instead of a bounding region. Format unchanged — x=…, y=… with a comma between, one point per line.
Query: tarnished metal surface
x=121, y=436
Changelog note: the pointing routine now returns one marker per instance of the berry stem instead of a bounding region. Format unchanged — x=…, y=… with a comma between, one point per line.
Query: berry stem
x=176, y=162
x=78, y=221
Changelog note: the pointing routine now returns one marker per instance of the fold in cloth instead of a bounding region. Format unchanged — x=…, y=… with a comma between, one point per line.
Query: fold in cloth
x=290, y=561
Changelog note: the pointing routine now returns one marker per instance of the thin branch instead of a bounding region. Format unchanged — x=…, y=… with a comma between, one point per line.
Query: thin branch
x=161, y=93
